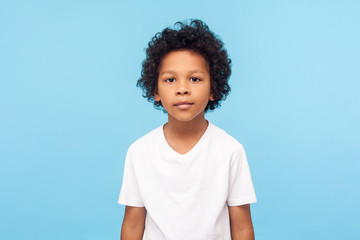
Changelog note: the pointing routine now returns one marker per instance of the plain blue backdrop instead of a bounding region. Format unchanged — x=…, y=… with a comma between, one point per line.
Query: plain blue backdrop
x=69, y=109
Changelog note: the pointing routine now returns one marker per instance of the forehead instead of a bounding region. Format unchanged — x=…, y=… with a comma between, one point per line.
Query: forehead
x=183, y=60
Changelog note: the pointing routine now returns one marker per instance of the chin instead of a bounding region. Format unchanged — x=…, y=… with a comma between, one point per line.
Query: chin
x=184, y=117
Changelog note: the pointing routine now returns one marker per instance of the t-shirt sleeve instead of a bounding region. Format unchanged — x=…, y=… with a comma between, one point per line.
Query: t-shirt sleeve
x=241, y=189
x=130, y=193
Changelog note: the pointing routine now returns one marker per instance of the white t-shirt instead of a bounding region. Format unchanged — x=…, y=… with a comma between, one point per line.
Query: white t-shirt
x=187, y=196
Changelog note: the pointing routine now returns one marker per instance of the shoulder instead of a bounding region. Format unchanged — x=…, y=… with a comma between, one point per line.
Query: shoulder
x=228, y=146
x=146, y=142
x=224, y=139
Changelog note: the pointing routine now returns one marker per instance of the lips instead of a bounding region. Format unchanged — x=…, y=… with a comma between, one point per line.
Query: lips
x=183, y=103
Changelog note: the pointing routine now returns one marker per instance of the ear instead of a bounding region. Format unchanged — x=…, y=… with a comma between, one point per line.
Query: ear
x=211, y=97
x=156, y=96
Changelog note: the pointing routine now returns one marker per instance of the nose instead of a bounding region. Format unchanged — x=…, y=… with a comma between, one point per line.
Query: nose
x=183, y=89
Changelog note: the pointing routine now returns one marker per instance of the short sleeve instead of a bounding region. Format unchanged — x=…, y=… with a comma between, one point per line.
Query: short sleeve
x=130, y=193
x=241, y=189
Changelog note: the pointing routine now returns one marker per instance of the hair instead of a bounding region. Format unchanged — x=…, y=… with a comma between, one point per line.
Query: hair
x=195, y=37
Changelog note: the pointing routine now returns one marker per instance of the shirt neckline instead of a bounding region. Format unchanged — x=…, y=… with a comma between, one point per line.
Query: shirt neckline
x=192, y=151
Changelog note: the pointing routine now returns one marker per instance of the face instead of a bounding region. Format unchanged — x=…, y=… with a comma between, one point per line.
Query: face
x=184, y=85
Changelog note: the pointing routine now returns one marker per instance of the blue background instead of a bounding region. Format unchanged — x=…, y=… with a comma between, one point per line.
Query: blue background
x=70, y=109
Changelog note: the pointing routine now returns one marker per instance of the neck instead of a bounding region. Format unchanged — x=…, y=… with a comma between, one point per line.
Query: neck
x=186, y=128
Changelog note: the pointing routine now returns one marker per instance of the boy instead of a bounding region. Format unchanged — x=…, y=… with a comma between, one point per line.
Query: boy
x=187, y=179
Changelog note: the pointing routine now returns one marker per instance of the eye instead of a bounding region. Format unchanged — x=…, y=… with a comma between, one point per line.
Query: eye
x=170, y=80
x=194, y=79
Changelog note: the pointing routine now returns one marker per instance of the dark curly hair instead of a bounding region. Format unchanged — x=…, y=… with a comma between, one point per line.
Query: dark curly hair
x=196, y=37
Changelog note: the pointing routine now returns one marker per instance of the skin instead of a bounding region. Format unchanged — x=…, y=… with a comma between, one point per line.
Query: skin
x=134, y=223
x=184, y=76
x=240, y=223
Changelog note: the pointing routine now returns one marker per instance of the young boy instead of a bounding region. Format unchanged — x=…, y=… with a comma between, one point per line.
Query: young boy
x=187, y=179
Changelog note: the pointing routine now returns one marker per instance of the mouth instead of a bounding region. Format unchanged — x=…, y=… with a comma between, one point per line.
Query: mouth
x=183, y=103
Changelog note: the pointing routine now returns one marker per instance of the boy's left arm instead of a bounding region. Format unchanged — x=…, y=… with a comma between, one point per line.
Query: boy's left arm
x=240, y=223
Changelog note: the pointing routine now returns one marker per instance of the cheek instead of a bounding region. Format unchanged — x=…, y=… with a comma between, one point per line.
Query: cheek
x=165, y=99
x=207, y=90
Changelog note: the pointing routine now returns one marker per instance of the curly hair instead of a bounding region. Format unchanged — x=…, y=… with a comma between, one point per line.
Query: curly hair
x=196, y=37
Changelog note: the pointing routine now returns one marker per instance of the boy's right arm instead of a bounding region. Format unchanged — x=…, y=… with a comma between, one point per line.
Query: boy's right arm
x=134, y=223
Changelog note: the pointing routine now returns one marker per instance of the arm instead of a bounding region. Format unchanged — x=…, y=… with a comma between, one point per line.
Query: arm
x=134, y=223
x=240, y=223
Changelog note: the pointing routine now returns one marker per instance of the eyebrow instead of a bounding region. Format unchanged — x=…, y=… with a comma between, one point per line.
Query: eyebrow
x=173, y=72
